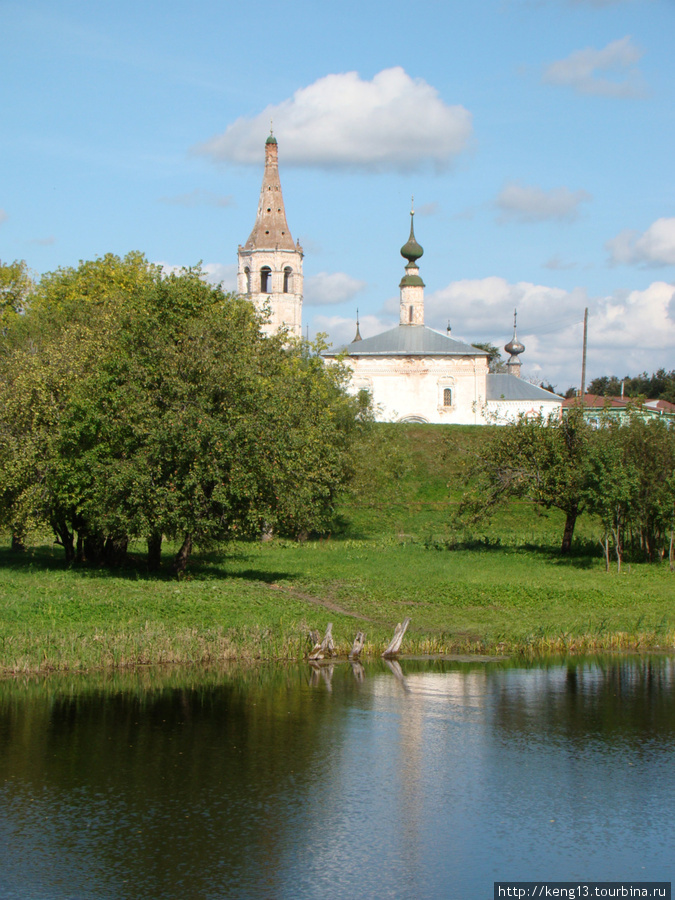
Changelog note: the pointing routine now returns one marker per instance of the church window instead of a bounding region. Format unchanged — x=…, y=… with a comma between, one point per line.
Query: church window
x=265, y=280
x=410, y=314
x=247, y=273
x=287, y=279
x=447, y=396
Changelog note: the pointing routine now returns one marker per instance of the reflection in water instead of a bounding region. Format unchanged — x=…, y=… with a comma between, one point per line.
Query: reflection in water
x=418, y=778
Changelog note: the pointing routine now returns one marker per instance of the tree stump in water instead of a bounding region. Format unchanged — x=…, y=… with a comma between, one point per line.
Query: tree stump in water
x=397, y=639
x=357, y=646
x=326, y=646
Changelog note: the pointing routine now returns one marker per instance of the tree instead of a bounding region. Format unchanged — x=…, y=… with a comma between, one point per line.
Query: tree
x=611, y=488
x=16, y=285
x=67, y=321
x=631, y=486
x=534, y=458
x=658, y=386
x=495, y=362
x=168, y=413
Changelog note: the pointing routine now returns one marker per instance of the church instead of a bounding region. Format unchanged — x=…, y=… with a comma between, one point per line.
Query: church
x=412, y=372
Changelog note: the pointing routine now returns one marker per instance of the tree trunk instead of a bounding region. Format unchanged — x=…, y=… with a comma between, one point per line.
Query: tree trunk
x=181, y=560
x=65, y=537
x=115, y=551
x=154, y=551
x=94, y=548
x=18, y=543
x=568, y=534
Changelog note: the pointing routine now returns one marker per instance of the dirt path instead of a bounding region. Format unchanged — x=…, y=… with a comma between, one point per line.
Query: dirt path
x=326, y=604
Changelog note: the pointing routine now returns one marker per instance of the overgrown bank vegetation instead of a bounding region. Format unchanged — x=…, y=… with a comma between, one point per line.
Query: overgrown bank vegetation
x=396, y=549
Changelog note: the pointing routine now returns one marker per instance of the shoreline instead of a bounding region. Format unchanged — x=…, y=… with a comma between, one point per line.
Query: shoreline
x=418, y=649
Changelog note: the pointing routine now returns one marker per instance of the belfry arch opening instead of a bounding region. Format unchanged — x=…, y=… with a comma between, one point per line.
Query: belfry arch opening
x=265, y=280
x=288, y=280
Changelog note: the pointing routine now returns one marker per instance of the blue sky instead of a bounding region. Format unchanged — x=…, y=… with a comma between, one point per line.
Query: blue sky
x=537, y=137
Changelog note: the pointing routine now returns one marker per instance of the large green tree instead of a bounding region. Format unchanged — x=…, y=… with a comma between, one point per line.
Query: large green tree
x=535, y=458
x=630, y=486
x=156, y=407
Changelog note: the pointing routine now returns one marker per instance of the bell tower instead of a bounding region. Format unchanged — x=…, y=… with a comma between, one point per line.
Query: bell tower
x=269, y=263
x=411, y=285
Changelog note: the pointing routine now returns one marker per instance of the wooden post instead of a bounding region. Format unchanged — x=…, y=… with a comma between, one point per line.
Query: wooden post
x=583, y=356
x=326, y=645
x=397, y=640
x=357, y=646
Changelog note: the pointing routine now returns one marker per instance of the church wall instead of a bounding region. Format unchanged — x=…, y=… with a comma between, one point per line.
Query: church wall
x=501, y=412
x=416, y=388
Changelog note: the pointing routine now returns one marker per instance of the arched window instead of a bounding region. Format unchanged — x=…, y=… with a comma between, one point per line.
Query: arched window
x=265, y=280
x=247, y=273
x=410, y=315
x=287, y=279
x=447, y=396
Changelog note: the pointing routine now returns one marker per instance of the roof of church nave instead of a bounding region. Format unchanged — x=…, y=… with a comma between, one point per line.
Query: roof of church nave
x=410, y=340
x=271, y=231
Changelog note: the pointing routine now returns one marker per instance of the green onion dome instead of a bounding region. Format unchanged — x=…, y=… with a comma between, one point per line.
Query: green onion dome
x=411, y=250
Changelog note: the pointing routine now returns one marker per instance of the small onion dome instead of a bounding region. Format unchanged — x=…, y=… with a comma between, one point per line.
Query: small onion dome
x=514, y=347
x=411, y=250
x=271, y=140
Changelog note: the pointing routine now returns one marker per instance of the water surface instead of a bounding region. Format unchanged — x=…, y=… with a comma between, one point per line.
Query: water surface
x=429, y=781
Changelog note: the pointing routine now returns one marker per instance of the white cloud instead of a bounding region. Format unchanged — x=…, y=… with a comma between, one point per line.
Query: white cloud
x=427, y=209
x=328, y=288
x=580, y=70
x=529, y=203
x=341, y=329
x=393, y=122
x=557, y=264
x=655, y=247
x=216, y=273
x=628, y=331
x=198, y=197
x=476, y=307
x=3, y=216
x=43, y=242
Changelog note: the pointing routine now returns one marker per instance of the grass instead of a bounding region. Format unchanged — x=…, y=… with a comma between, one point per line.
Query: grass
x=499, y=589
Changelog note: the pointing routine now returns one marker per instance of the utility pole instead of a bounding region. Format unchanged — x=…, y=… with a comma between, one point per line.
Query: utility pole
x=583, y=358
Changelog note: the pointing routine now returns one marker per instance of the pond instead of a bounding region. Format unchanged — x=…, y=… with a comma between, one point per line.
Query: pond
x=428, y=779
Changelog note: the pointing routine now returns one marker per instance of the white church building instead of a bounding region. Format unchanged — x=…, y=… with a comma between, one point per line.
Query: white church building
x=412, y=372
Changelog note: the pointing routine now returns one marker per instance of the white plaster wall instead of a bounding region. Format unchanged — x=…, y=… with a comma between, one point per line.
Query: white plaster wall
x=409, y=387
x=501, y=412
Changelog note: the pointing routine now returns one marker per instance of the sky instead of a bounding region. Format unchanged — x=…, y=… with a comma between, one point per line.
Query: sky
x=537, y=138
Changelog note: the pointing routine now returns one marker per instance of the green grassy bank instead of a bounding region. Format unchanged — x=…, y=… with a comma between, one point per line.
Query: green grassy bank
x=396, y=552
